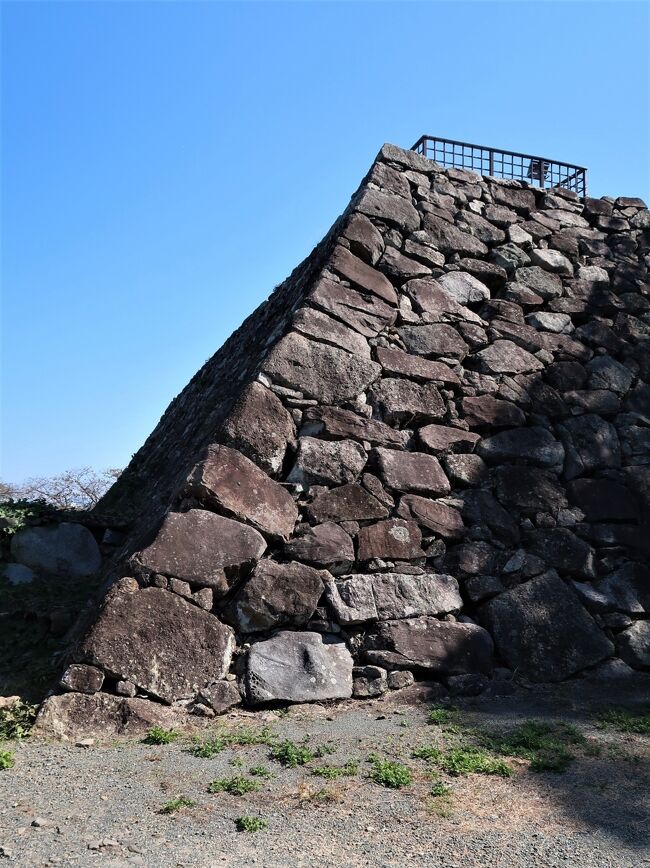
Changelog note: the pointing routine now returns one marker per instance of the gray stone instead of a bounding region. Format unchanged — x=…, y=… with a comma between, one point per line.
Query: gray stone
x=449, y=239
x=505, y=357
x=318, y=370
x=606, y=373
x=627, y=589
x=392, y=539
x=399, y=679
x=465, y=288
x=436, y=647
x=228, y=481
x=259, y=427
x=367, y=314
x=552, y=260
x=359, y=273
x=437, y=339
x=395, y=210
x=401, y=267
x=443, y=520
x=563, y=550
x=559, y=323
x=298, y=667
x=405, y=596
x=543, y=283
x=465, y=469
x=535, y=444
x=414, y=472
x=542, y=630
x=338, y=423
x=318, y=325
x=221, y=696
x=203, y=548
x=325, y=545
x=352, y=599
x=66, y=549
x=369, y=681
x=276, y=595
x=166, y=646
x=365, y=239
x=403, y=401
x=327, y=462
x=633, y=645
x=591, y=444
x=82, y=678
x=510, y=257
x=395, y=361
x=485, y=410
x=347, y=503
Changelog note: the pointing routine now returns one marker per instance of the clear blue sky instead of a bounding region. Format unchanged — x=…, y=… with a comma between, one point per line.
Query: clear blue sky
x=165, y=165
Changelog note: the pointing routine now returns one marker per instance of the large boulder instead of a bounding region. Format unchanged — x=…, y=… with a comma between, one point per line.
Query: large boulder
x=163, y=644
x=366, y=314
x=634, y=645
x=259, y=427
x=276, y=595
x=406, y=596
x=230, y=482
x=436, y=647
x=298, y=667
x=327, y=462
x=66, y=549
x=338, y=423
x=541, y=629
x=325, y=545
x=203, y=548
x=591, y=444
x=535, y=444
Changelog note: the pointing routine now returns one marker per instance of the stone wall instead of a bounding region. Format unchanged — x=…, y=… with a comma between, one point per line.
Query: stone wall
x=427, y=455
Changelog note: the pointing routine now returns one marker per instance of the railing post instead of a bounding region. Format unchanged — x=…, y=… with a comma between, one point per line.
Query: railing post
x=491, y=163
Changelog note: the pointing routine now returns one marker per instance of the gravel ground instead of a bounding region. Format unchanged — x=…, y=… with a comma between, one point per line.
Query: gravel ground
x=64, y=804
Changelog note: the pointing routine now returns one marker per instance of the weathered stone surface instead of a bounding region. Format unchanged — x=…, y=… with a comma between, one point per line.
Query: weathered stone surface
x=563, y=550
x=559, y=323
x=318, y=325
x=228, y=481
x=365, y=239
x=434, y=340
x=220, y=696
x=552, y=260
x=465, y=288
x=488, y=273
x=485, y=410
x=449, y=239
x=591, y=444
x=517, y=199
x=395, y=210
x=541, y=629
x=327, y=462
x=80, y=715
x=534, y=444
x=203, y=548
x=325, y=545
x=440, y=647
x=259, y=427
x=465, y=469
x=276, y=595
x=369, y=681
x=352, y=599
x=529, y=489
x=522, y=335
x=440, y=439
x=346, y=503
x=82, y=678
x=505, y=357
x=414, y=472
x=298, y=667
x=400, y=267
x=362, y=275
x=480, y=228
x=607, y=373
x=395, y=361
x=543, y=283
x=627, y=589
x=320, y=371
x=390, y=539
x=633, y=645
x=336, y=422
x=367, y=314
x=428, y=297
x=443, y=520
x=18, y=574
x=65, y=549
x=405, y=596
x=604, y=500
x=166, y=646
x=403, y=401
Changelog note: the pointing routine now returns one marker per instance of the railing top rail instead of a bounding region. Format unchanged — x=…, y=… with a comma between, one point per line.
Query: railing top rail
x=424, y=139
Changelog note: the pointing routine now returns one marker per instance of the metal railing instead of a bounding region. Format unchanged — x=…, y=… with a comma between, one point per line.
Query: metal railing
x=537, y=171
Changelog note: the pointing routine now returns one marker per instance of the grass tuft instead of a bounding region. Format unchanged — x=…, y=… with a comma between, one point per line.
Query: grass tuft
x=626, y=721
x=17, y=720
x=292, y=755
x=177, y=804
x=260, y=772
x=159, y=735
x=388, y=773
x=330, y=773
x=7, y=759
x=250, y=824
x=440, y=715
x=241, y=736
x=545, y=745
x=237, y=785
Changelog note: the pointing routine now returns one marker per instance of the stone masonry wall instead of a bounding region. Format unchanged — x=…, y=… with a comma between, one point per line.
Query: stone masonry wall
x=426, y=456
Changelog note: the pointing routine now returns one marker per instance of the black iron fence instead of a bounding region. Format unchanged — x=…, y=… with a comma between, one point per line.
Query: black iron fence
x=538, y=171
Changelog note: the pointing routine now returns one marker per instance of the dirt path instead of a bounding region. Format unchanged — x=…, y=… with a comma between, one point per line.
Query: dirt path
x=63, y=804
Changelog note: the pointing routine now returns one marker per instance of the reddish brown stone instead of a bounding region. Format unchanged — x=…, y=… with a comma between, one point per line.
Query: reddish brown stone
x=394, y=539
x=484, y=410
x=346, y=503
x=364, y=238
x=366, y=314
x=443, y=520
x=395, y=361
x=440, y=439
x=359, y=273
x=411, y=471
x=335, y=422
x=437, y=339
x=401, y=400
x=318, y=325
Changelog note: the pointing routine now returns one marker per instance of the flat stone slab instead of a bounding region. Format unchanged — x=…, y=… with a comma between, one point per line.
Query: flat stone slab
x=64, y=549
x=203, y=548
x=542, y=629
x=164, y=645
x=414, y=472
x=229, y=481
x=298, y=667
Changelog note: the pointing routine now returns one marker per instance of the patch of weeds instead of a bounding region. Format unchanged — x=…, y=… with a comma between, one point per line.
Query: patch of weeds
x=291, y=755
x=158, y=735
x=260, y=772
x=236, y=762
x=440, y=802
x=7, y=759
x=592, y=748
x=324, y=750
x=17, y=513
x=544, y=745
x=250, y=824
x=439, y=789
x=17, y=720
x=441, y=715
x=237, y=785
x=330, y=773
x=626, y=721
x=470, y=760
x=241, y=736
x=427, y=752
x=388, y=773
x=282, y=712
x=176, y=804
x=323, y=795
x=210, y=747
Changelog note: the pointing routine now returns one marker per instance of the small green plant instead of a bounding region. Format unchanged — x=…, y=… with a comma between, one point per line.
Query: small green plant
x=210, y=747
x=17, y=720
x=158, y=735
x=236, y=762
x=176, y=804
x=241, y=736
x=440, y=715
x=545, y=745
x=324, y=750
x=17, y=513
x=260, y=772
x=291, y=755
x=469, y=760
x=250, y=824
x=626, y=721
x=7, y=759
x=439, y=789
x=426, y=752
x=388, y=773
x=237, y=785
x=330, y=773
